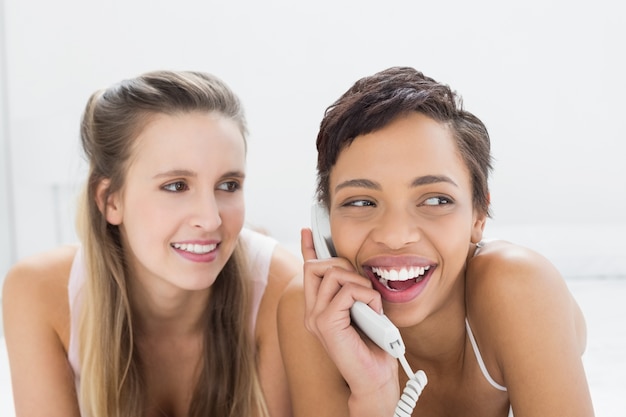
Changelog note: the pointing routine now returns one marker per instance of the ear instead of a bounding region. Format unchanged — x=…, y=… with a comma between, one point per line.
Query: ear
x=110, y=205
x=478, y=227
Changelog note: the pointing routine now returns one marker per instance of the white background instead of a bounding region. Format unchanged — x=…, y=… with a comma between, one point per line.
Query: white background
x=547, y=78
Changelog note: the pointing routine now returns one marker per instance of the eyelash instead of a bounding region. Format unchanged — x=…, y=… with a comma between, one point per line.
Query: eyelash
x=180, y=186
x=176, y=187
x=434, y=202
x=231, y=186
x=360, y=203
x=441, y=200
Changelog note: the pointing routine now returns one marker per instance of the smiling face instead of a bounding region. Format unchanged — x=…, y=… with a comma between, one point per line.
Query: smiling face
x=182, y=207
x=401, y=210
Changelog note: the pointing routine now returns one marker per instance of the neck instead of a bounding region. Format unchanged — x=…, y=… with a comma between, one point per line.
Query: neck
x=165, y=309
x=439, y=338
x=432, y=342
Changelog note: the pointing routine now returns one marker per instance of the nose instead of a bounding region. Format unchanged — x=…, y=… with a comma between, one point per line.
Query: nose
x=396, y=228
x=206, y=212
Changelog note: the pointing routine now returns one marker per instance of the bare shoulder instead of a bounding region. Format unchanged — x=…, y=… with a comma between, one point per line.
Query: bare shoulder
x=290, y=316
x=504, y=254
x=502, y=272
x=37, y=326
x=291, y=312
x=284, y=267
x=509, y=286
x=45, y=270
x=292, y=299
x=37, y=285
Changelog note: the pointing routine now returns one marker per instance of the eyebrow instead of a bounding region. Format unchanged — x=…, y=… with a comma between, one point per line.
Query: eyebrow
x=188, y=173
x=417, y=182
x=359, y=183
x=176, y=173
x=432, y=179
x=234, y=174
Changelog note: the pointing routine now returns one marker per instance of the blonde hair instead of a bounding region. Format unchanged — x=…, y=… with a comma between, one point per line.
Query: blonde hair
x=111, y=383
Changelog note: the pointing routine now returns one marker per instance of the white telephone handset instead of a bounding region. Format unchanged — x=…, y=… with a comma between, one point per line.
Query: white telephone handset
x=376, y=326
x=320, y=226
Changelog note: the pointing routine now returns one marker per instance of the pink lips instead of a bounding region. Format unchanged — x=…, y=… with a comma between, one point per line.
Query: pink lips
x=405, y=292
x=195, y=257
x=204, y=252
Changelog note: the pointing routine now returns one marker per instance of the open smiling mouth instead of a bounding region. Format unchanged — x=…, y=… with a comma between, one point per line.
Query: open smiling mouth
x=194, y=248
x=400, y=279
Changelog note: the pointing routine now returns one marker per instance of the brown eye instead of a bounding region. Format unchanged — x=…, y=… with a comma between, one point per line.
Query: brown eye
x=177, y=186
x=437, y=201
x=360, y=203
x=230, y=186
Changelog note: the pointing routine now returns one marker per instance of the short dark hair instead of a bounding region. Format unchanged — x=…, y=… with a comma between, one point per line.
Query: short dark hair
x=375, y=101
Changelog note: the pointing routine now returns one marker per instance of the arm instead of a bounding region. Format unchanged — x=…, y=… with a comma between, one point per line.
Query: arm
x=283, y=268
x=532, y=331
x=316, y=387
x=36, y=323
x=331, y=370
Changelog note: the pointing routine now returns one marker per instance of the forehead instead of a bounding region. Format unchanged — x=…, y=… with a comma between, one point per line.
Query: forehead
x=410, y=146
x=193, y=137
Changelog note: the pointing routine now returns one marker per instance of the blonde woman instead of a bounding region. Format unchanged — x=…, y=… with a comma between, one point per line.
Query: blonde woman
x=167, y=308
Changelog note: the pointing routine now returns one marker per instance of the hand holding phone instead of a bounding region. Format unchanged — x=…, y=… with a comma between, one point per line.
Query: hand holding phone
x=376, y=326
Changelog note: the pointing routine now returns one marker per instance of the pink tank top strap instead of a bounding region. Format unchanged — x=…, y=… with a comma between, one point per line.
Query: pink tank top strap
x=74, y=287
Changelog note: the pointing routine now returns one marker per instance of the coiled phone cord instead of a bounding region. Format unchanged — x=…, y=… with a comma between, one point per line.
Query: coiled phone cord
x=414, y=386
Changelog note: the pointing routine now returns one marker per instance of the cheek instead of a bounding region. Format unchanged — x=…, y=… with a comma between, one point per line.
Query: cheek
x=232, y=213
x=143, y=218
x=348, y=238
x=452, y=239
x=141, y=228
x=454, y=229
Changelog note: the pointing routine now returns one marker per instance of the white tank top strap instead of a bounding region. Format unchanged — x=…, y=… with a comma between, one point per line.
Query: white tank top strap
x=259, y=249
x=479, y=359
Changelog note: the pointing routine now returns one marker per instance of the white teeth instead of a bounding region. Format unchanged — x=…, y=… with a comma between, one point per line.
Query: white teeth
x=403, y=274
x=194, y=248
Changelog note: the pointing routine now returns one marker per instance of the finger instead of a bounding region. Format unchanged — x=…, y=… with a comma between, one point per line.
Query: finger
x=335, y=323
x=337, y=314
x=306, y=244
x=335, y=279
x=315, y=275
x=312, y=279
x=314, y=268
x=331, y=306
